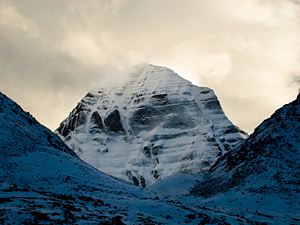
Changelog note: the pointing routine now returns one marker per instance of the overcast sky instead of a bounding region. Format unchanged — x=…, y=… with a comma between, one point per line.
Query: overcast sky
x=53, y=51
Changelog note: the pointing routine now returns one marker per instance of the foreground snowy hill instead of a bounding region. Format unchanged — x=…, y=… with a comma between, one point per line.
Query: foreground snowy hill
x=260, y=180
x=155, y=125
x=43, y=182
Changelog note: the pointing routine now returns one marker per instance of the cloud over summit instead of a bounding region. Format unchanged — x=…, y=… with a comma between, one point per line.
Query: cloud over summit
x=52, y=52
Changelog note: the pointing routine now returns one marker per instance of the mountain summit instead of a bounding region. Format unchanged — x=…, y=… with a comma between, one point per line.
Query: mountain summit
x=155, y=125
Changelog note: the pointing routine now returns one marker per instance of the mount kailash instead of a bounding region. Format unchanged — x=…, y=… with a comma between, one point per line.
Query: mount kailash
x=42, y=181
x=155, y=125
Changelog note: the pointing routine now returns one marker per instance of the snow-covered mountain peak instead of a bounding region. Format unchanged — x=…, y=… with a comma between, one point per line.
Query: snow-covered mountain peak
x=149, y=77
x=155, y=125
x=146, y=78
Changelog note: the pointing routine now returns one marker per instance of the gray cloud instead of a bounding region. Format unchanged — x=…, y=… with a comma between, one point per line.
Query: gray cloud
x=53, y=52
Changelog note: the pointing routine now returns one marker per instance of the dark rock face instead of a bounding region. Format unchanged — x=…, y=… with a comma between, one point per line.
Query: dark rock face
x=135, y=179
x=96, y=119
x=143, y=182
x=113, y=121
x=78, y=118
x=145, y=118
x=96, y=123
x=181, y=121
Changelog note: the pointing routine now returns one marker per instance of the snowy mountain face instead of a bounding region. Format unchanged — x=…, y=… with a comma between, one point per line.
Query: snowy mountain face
x=155, y=125
x=43, y=182
x=259, y=181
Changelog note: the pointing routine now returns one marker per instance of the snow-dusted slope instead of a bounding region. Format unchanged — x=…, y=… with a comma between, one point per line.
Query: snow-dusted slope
x=272, y=152
x=155, y=125
x=43, y=182
x=259, y=181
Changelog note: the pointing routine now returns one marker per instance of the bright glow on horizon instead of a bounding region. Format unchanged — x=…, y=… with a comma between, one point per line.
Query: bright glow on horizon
x=53, y=52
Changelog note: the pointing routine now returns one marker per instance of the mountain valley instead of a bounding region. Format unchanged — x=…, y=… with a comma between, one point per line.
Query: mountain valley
x=157, y=150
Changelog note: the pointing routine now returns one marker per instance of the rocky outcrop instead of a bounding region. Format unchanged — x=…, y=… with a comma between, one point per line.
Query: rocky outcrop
x=155, y=125
x=113, y=121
